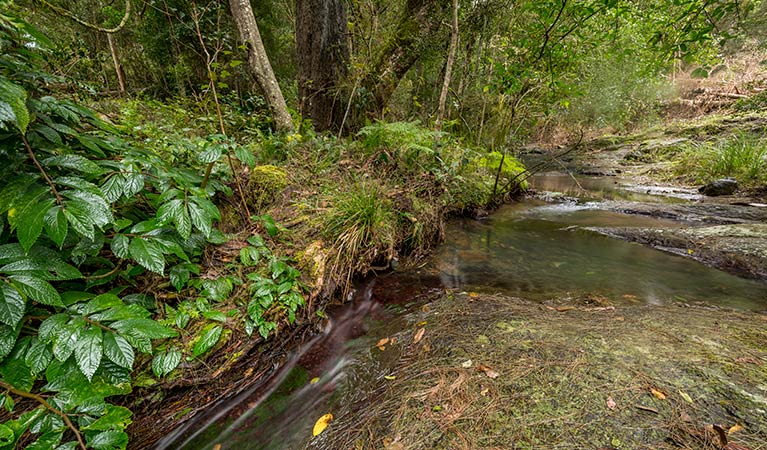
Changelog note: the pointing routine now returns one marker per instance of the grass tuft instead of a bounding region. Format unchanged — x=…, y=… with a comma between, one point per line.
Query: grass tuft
x=741, y=156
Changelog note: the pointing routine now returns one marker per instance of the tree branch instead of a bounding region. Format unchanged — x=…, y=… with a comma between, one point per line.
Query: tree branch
x=47, y=406
x=59, y=200
x=71, y=16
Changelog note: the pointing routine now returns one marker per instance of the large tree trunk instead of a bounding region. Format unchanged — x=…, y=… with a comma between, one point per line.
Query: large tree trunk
x=419, y=21
x=449, y=68
x=323, y=57
x=259, y=63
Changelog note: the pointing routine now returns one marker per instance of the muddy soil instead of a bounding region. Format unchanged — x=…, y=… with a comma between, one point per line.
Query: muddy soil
x=494, y=372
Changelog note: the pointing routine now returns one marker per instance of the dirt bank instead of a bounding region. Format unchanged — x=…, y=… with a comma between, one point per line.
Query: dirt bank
x=495, y=372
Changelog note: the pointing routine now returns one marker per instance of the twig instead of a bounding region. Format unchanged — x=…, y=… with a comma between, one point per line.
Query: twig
x=68, y=14
x=104, y=275
x=47, y=406
x=59, y=200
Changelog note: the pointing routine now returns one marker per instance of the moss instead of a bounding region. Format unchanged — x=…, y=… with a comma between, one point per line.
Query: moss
x=266, y=183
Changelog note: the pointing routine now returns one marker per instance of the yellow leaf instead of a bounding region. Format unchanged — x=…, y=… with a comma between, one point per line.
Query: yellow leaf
x=390, y=377
x=735, y=428
x=420, y=324
x=382, y=344
x=314, y=380
x=658, y=394
x=685, y=396
x=473, y=295
x=321, y=424
x=690, y=251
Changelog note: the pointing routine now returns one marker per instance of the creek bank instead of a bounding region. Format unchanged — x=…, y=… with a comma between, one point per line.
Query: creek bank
x=490, y=371
x=738, y=249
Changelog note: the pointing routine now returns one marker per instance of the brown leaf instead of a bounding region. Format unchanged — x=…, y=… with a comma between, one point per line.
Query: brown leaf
x=565, y=308
x=735, y=428
x=419, y=335
x=473, y=295
x=658, y=394
x=488, y=371
x=382, y=343
x=611, y=403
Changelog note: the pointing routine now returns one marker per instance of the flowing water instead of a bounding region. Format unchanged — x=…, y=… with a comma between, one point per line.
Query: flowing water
x=532, y=249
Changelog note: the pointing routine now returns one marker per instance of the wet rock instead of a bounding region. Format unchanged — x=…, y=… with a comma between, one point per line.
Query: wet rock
x=722, y=186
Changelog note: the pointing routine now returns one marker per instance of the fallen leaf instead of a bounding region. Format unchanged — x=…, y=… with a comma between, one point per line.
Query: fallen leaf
x=658, y=394
x=484, y=391
x=748, y=360
x=473, y=295
x=390, y=377
x=685, y=396
x=382, y=344
x=620, y=318
x=419, y=335
x=611, y=403
x=314, y=380
x=488, y=371
x=565, y=308
x=217, y=447
x=420, y=324
x=466, y=364
x=629, y=296
x=321, y=424
x=690, y=251
x=735, y=428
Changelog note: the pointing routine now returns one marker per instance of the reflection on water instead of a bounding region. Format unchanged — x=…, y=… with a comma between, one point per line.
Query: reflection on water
x=538, y=252
x=607, y=188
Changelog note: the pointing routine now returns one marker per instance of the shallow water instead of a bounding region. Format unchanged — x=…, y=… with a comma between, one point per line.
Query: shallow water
x=531, y=249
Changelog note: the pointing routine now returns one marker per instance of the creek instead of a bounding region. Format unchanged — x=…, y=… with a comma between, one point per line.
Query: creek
x=535, y=249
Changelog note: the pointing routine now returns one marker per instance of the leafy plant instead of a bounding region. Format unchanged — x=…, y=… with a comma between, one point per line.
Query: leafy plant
x=741, y=156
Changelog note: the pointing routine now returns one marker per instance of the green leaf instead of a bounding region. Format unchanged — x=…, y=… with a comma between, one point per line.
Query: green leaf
x=74, y=162
x=176, y=211
x=245, y=156
x=12, y=305
x=115, y=418
x=201, y=220
x=146, y=327
x=211, y=153
x=11, y=252
x=37, y=289
x=30, y=223
x=120, y=246
x=94, y=204
x=700, y=72
x=39, y=355
x=208, y=338
x=164, y=362
x=148, y=254
x=108, y=440
x=16, y=372
x=118, y=350
x=134, y=183
x=78, y=216
x=56, y=225
x=66, y=339
x=8, y=337
x=48, y=133
x=7, y=437
x=47, y=441
x=114, y=187
x=88, y=351
x=13, y=108
x=52, y=326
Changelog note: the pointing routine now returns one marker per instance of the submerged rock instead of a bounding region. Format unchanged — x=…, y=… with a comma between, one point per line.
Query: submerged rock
x=722, y=186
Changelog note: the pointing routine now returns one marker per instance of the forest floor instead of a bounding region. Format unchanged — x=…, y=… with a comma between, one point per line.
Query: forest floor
x=498, y=372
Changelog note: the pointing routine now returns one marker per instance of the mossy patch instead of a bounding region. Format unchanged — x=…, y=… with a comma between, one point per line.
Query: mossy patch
x=266, y=183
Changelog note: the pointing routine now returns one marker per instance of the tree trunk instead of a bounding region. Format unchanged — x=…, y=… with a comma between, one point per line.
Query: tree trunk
x=323, y=57
x=259, y=63
x=118, y=66
x=448, y=69
x=416, y=25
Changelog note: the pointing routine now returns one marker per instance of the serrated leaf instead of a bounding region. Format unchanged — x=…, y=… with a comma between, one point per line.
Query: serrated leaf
x=15, y=372
x=38, y=356
x=164, y=362
x=245, y=156
x=30, y=223
x=56, y=225
x=7, y=436
x=15, y=97
x=208, y=338
x=121, y=313
x=51, y=327
x=134, y=183
x=118, y=350
x=146, y=327
x=11, y=252
x=48, y=133
x=74, y=162
x=114, y=187
x=78, y=217
x=88, y=351
x=108, y=440
x=115, y=418
x=8, y=337
x=37, y=289
x=119, y=246
x=94, y=205
x=66, y=339
x=200, y=219
x=211, y=154
x=12, y=305
x=148, y=254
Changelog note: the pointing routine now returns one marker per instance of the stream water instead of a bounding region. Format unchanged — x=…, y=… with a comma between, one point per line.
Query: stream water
x=532, y=249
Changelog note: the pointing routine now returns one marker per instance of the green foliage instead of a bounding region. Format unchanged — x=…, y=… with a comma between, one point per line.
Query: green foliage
x=405, y=145
x=266, y=182
x=741, y=156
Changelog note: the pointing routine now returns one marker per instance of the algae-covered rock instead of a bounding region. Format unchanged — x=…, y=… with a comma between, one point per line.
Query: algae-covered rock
x=724, y=186
x=266, y=182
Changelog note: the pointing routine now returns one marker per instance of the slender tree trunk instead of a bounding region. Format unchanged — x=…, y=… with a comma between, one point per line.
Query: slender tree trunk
x=323, y=57
x=448, y=69
x=259, y=63
x=116, y=60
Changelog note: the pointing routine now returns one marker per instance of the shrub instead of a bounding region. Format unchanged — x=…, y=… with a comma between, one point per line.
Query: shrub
x=741, y=156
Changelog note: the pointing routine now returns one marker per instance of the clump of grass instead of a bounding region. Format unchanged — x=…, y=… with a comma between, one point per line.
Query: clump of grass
x=741, y=156
x=362, y=228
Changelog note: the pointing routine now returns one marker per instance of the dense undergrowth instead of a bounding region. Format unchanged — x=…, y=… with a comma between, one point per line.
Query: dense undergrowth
x=110, y=277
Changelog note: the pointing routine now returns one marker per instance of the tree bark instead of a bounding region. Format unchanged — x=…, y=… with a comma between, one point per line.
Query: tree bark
x=448, y=68
x=323, y=58
x=419, y=21
x=116, y=60
x=259, y=64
